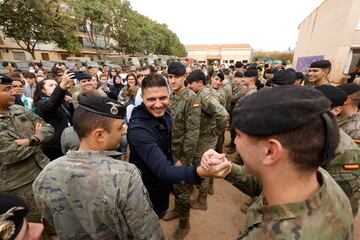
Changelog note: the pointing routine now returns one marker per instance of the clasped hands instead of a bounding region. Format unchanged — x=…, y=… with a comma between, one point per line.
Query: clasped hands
x=214, y=164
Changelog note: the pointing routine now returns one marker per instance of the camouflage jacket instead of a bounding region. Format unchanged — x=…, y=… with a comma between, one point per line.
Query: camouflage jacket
x=185, y=112
x=19, y=165
x=351, y=125
x=220, y=94
x=238, y=91
x=244, y=93
x=345, y=169
x=228, y=94
x=90, y=195
x=326, y=215
x=214, y=116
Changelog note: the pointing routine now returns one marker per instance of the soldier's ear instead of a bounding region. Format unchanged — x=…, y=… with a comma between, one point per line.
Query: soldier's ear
x=99, y=135
x=273, y=151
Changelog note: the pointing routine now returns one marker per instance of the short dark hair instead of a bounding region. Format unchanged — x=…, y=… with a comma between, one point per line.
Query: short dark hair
x=153, y=80
x=93, y=121
x=29, y=75
x=5, y=64
x=306, y=144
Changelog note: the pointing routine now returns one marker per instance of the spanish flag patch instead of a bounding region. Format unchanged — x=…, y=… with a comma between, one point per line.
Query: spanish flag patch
x=196, y=105
x=206, y=98
x=351, y=166
x=356, y=140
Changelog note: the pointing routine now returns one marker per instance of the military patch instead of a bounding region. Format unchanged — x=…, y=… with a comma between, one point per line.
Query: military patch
x=196, y=105
x=356, y=140
x=206, y=98
x=351, y=166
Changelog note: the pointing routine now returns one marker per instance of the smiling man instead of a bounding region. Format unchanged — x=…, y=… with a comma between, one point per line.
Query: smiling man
x=319, y=71
x=150, y=137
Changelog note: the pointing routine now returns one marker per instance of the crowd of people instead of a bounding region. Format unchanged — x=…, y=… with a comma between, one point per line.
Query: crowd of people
x=95, y=153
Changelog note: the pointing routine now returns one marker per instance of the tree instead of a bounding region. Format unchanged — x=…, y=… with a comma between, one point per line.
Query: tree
x=97, y=19
x=31, y=22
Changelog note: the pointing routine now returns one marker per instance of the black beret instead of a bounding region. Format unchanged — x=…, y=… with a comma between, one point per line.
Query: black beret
x=5, y=80
x=321, y=64
x=12, y=213
x=238, y=64
x=103, y=106
x=278, y=110
x=299, y=75
x=238, y=74
x=219, y=74
x=196, y=75
x=176, y=68
x=284, y=77
x=251, y=72
x=80, y=75
x=350, y=88
x=336, y=95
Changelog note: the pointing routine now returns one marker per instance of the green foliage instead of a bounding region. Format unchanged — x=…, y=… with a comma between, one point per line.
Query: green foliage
x=113, y=22
x=137, y=33
x=31, y=22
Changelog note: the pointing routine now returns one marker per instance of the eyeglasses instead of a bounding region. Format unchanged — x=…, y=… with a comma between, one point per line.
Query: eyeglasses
x=17, y=86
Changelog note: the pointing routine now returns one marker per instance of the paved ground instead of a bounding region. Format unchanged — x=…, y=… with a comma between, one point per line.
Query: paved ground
x=223, y=219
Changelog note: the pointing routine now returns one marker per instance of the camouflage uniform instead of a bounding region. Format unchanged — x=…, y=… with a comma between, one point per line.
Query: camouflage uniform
x=351, y=125
x=20, y=165
x=90, y=195
x=228, y=93
x=326, y=215
x=214, y=118
x=185, y=112
x=345, y=169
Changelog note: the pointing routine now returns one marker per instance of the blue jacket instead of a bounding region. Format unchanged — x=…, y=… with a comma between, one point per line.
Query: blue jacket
x=150, y=150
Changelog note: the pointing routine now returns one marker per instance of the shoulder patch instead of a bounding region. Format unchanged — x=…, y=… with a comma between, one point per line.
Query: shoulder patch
x=351, y=166
x=196, y=105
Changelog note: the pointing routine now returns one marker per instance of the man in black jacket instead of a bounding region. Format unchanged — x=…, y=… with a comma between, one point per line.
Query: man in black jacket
x=149, y=136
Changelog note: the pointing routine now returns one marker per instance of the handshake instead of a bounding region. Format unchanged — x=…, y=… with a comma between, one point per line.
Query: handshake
x=214, y=164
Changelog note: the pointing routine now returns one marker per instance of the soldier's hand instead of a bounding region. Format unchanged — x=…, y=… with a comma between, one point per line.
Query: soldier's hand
x=37, y=129
x=220, y=170
x=22, y=142
x=211, y=157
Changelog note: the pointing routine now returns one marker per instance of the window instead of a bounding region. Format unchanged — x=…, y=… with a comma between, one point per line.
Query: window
x=231, y=61
x=19, y=55
x=64, y=56
x=45, y=56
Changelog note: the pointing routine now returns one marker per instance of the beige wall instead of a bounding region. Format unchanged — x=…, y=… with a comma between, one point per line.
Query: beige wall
x=330, y=30
x=202, y=54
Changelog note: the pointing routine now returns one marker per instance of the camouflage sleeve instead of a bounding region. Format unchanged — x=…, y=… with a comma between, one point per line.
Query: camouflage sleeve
x=139, y=215
x=10, y=152
x=46, y=132
x=243, y=181
x=220, y=114
x=193, y=115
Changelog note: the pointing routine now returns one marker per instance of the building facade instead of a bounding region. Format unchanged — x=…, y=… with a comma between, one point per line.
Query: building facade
x=331, y=31
x=224, y=53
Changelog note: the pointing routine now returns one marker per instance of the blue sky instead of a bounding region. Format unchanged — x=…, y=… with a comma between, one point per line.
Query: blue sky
x=264, y=24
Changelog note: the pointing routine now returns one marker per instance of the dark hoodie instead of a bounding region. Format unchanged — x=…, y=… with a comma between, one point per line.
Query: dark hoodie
x=150, y=150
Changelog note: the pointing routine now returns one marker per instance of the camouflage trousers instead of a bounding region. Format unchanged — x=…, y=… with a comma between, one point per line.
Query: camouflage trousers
x=34, y=215
x=207, y=141
x=182, y=194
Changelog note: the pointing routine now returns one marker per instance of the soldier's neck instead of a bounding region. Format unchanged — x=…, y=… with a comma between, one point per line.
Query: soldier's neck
x=87, y=145
x=323, y=81
x=348, y=110
x=288, y=187
x=178, y=92
x=3, y=109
